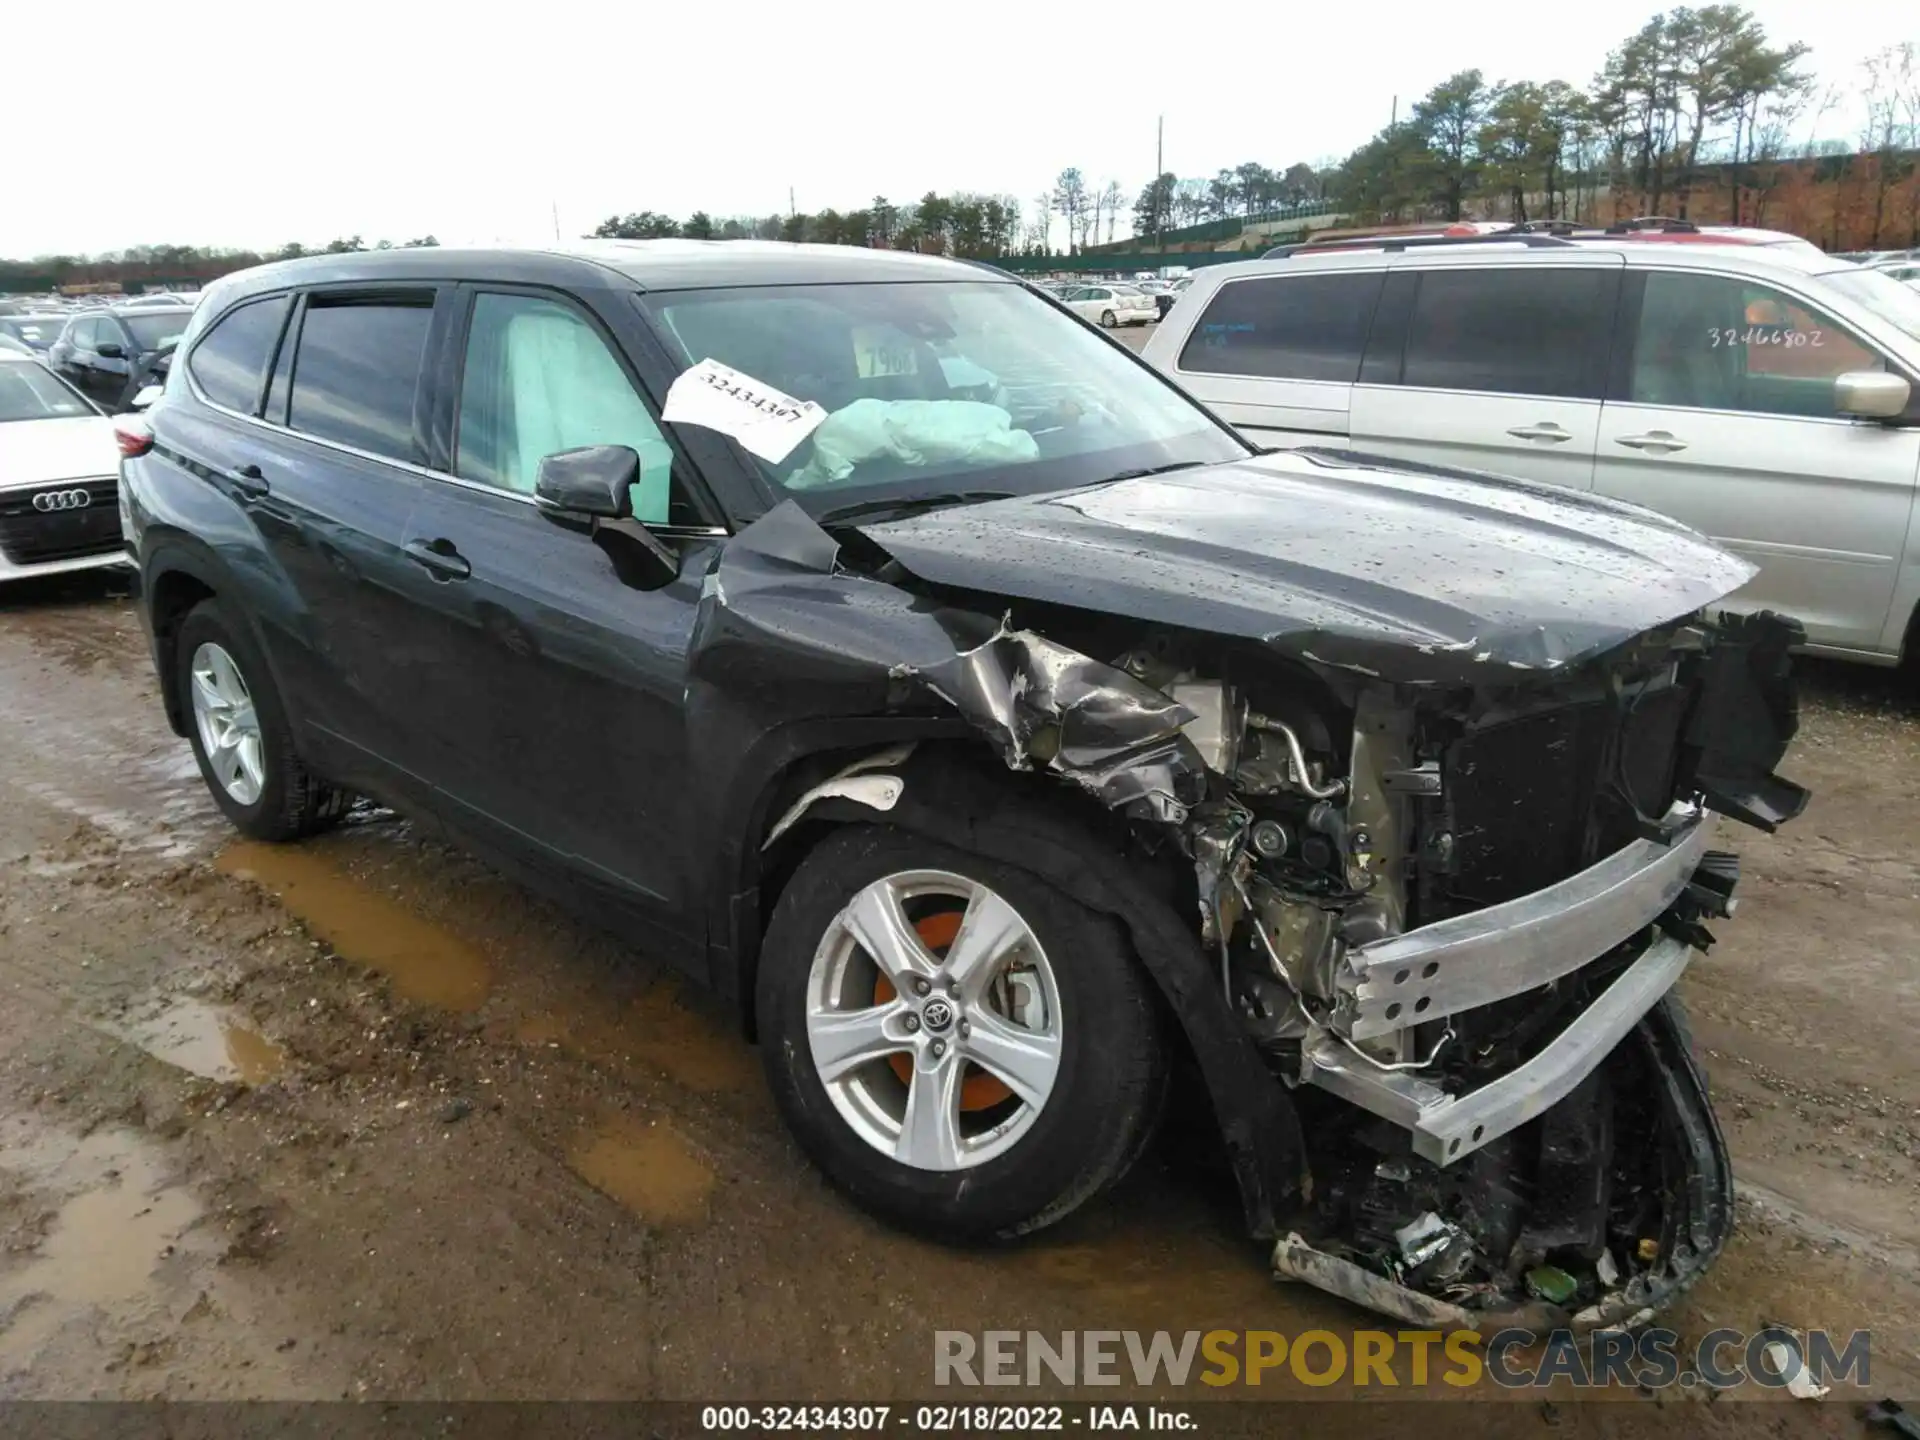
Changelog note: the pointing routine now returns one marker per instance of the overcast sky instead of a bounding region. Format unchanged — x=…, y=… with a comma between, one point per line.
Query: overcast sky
x=244, y=122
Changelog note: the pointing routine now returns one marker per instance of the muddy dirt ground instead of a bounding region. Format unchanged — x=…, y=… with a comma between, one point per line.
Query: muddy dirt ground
x=360, y=1118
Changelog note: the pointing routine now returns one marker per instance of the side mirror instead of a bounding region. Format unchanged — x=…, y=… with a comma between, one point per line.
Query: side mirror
x=595, y=483
x=110, y=351
x=146, y=395
x=595, y=480
x=1871, y=394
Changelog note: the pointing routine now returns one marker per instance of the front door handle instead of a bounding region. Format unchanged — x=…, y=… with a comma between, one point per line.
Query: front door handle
x=1546, y=431
x=1660, y=442
x=248, y=480
x=439, y=558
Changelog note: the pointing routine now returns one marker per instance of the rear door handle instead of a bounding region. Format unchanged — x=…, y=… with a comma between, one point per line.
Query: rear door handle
x=439, y=558
x=1660, y=442
x=1545, y=431
x=248, y=480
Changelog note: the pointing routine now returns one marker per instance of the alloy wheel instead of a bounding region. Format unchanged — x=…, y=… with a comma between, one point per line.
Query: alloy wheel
x=937, y=1039
x=229, y=725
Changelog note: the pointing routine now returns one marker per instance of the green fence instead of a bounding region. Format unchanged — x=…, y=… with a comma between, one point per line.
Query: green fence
x=1125, y=263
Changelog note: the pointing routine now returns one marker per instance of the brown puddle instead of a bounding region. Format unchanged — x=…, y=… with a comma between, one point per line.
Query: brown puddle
x=103, y=1247
x=658, y=1029
x=423, y=961
x=647, y=1168
x=205, y=1041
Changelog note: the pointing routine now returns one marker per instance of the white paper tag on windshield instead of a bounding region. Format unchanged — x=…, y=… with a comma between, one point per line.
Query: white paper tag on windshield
x=765, y=421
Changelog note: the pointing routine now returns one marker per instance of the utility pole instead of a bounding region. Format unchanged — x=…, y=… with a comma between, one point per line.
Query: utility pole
x=791, y=212
x=1159, y=169
x=1394, y=122
x=556, y=220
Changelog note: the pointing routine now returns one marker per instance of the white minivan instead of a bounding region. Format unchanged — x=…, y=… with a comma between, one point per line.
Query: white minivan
x=1765, y=395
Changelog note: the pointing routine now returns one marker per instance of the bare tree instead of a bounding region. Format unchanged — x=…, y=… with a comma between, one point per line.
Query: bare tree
x=1110, y=200
x=1890, y=75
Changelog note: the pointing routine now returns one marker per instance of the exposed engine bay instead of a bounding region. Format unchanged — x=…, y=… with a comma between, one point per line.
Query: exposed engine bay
x=1446, y=913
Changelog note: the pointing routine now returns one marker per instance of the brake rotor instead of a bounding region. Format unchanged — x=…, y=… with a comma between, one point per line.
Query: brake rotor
x=978, y=1089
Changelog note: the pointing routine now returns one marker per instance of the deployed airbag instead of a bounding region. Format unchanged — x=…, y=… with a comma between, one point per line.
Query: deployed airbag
x=916, y=433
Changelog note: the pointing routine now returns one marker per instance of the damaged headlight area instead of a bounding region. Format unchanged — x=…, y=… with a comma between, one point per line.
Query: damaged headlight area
x=1448, y=919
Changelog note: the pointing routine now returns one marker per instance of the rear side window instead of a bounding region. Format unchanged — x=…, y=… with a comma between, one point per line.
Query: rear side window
x=357, y=369
x=1532, y=331
x=1295, y=327
x=230, y=360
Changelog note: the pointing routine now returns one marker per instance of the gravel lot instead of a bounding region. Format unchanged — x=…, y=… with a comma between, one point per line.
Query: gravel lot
x=360, y=1118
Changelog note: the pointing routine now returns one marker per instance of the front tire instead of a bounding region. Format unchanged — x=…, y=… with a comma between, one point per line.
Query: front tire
x=241, y=737
x=959, y=1047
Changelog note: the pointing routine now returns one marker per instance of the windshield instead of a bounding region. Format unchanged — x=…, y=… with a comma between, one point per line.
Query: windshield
x=154, y=328
x=1888, y=299
x=35, y=330
x=30, y=391
x=939, y=389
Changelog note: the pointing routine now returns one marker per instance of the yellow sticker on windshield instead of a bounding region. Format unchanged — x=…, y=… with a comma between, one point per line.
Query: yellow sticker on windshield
x=881, y=350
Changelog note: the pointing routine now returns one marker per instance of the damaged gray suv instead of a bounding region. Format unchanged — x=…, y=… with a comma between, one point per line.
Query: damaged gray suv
x=1001, y=734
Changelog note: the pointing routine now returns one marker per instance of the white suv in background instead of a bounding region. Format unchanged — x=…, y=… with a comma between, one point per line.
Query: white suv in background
x=1765, y=395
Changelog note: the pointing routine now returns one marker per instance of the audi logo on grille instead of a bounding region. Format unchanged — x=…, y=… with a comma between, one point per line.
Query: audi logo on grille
x=47, y=501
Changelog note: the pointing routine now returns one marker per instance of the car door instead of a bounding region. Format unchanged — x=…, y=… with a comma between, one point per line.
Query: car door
x=1276, y=356
x=108, y=362
x=1722, y=416
x=69, y=351
x=326, y=467
x=550, y=690
x=1491, y=367
x=1091, y=301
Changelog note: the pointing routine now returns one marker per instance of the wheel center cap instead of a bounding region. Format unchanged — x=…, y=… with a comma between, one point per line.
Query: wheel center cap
x=936, y=1014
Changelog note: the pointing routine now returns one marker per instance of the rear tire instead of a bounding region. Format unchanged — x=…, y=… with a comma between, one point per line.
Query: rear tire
x=241, y=737
x=1108, y=320
x=1008, y=1166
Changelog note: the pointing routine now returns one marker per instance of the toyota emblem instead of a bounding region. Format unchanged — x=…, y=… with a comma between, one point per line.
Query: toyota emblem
x=937, y=1014
x=48, y=501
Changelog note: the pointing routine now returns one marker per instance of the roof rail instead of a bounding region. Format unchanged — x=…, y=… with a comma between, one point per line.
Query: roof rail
x=1393, y=245
x=1664, y=223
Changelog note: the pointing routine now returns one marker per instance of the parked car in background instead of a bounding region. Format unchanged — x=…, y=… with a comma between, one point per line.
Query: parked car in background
x=108, y=353
x=694, y=584
x=157, y=300
x=1112, y=303
x=1900, y=269
x=37, y=331
x=59, y=500
x=1766, y=395
x=1161, y=294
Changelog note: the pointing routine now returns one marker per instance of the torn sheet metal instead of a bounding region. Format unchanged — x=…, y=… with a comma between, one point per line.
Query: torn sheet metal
x=857, y=782
x=1113, y=735
x=1383, y=568
x=765, y=421
x=785, y=634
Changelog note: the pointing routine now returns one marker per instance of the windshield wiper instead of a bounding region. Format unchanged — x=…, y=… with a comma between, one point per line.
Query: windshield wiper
x=901, y=509
x=1155, y=470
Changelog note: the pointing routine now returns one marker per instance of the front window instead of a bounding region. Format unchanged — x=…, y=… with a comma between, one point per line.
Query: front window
x=32, y=392
x=1887, y=298
x=154, y=328
x=934, y=389
x=1717, y=342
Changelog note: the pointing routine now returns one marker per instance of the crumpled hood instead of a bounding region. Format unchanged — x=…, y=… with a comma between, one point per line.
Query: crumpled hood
x=1414, y=573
